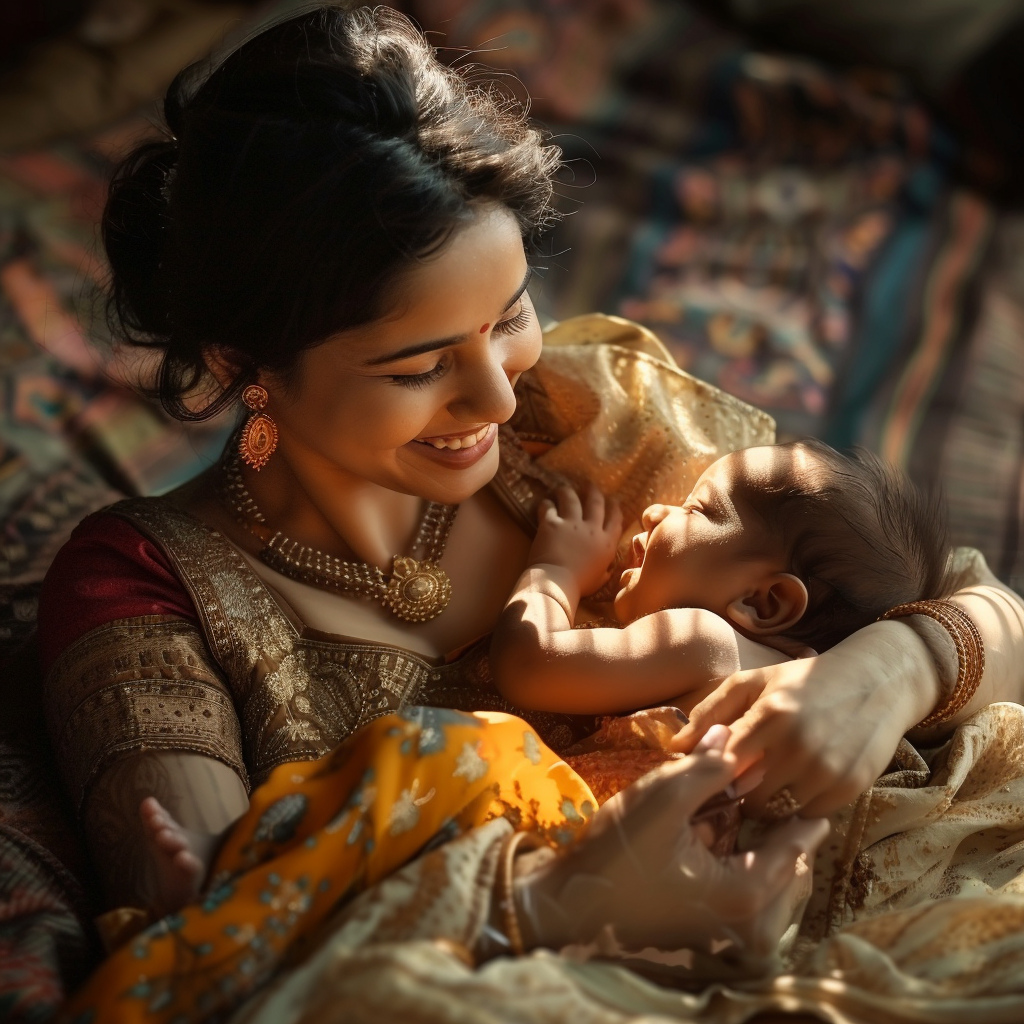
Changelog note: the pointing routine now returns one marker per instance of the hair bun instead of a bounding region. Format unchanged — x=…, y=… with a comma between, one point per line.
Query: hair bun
x=135, y=228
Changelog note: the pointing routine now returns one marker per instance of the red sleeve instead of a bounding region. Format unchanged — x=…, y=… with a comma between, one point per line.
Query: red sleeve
x=106, y=571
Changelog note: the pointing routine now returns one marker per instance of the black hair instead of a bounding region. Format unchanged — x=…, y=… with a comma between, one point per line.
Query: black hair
x=857, y=531
x=300, y=177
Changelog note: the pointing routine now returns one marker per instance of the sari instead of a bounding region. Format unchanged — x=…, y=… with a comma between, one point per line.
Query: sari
x=318, y=832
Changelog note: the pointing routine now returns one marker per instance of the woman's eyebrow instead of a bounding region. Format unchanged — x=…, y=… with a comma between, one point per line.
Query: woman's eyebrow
x=430, y=346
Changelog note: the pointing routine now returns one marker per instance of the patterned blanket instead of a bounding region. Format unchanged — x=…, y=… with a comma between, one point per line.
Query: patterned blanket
x=802, y=238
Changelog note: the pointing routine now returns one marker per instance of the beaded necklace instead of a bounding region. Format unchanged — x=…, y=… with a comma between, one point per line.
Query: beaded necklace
x=414, y=590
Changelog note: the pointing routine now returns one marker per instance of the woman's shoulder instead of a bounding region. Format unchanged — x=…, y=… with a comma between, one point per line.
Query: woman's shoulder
x=108, y=570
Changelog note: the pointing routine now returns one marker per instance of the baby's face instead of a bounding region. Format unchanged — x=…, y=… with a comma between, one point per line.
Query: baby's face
x=704, y=553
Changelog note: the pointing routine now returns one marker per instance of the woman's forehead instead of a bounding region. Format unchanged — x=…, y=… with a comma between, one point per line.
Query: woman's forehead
x=467, y=283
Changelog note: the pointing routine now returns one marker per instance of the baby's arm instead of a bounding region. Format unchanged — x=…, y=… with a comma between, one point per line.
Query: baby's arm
x=540, y=662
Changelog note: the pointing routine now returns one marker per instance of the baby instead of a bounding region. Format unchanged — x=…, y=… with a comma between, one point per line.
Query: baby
x=791, y=545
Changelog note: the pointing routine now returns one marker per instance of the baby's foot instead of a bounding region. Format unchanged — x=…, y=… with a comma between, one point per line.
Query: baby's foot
x=179, y=871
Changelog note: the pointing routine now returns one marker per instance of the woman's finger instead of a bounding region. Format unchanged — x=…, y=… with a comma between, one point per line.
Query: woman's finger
x=789, y=784
x=723, y=706
x=546, y=511
x=759, y=877
x=680, y=787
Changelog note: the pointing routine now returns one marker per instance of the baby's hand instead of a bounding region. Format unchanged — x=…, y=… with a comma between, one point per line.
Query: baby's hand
x=578, y=536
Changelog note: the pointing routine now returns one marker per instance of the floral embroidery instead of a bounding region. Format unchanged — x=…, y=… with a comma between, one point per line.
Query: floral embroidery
x=469, y=764
x=281, y=819
x=531, y=747
x=405, y=812
x=319, y=832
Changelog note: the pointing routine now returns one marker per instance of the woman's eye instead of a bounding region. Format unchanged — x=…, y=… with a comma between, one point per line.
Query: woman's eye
x=514, y=323
x=420, y=380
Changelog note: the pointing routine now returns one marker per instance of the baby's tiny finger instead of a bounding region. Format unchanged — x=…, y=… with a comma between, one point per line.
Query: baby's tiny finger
x=613, y=517
x=569, y=503
x=593, y=503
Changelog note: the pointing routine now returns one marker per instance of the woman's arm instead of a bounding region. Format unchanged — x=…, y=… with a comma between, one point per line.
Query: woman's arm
x=998, y=612
x=827, y=727
x=136, y=708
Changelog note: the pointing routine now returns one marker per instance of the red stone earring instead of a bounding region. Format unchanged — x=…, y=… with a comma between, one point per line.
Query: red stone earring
x=259, y=435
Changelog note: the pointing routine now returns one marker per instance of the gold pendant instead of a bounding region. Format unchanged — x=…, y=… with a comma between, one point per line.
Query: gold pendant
x=417, y=591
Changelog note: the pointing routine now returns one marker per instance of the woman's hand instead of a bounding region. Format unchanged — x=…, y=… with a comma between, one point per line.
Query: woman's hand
x=579, y=535
x=824, y=728
x=643, y=872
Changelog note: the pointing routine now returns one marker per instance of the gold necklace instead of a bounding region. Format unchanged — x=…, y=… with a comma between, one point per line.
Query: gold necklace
x=415, y=591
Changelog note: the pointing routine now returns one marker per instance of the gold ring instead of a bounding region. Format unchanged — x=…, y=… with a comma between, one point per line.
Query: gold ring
x=782, y=805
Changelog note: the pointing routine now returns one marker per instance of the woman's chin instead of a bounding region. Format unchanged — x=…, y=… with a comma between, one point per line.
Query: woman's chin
x=450, y=480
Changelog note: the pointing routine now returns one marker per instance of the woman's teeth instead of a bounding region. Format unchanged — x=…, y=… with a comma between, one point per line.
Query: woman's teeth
x=455, y=443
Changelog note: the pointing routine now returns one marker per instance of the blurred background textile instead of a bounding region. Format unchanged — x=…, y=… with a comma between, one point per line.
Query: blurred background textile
x=815, y=205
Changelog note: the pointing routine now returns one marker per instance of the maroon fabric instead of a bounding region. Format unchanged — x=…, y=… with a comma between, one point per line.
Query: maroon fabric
x=106, y=571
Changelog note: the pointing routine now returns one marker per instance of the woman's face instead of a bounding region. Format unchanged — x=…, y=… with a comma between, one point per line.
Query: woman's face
x=412, y=402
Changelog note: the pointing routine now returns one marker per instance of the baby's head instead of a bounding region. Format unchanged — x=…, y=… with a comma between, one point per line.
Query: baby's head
x=793, y=539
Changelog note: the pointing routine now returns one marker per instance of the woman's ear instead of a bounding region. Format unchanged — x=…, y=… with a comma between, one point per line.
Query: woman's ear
x=776, y=604
x=222, y=367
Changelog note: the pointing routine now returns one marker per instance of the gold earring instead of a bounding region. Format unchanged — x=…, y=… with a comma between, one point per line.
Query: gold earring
x=259, y=435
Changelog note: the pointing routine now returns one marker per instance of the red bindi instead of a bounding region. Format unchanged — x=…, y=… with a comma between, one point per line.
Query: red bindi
x=485, y=328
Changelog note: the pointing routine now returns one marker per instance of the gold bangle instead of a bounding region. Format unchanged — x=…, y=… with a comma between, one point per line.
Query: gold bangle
x=970, y=652
x=511, y=846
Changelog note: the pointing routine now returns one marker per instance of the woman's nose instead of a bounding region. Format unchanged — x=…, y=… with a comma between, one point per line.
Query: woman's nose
x=486, y=395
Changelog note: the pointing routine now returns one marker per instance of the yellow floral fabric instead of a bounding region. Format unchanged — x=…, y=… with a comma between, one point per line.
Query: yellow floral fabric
x=316, y=833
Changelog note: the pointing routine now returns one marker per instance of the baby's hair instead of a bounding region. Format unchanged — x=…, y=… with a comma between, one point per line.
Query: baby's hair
x=861, y=536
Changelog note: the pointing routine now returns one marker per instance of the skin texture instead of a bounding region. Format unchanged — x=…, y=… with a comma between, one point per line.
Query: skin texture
x=827, y=727
x=657, y=884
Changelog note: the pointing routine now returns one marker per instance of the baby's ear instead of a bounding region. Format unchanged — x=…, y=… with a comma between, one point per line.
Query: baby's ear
x=776, y=604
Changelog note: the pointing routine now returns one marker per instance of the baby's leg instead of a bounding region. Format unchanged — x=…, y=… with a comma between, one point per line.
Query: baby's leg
x=154, y=821
x=181, y=858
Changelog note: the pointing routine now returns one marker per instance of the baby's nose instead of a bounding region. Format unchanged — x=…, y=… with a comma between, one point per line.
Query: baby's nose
x=653, y=515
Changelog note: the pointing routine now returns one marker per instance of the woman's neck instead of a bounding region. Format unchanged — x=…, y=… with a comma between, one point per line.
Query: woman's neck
x=328, y=508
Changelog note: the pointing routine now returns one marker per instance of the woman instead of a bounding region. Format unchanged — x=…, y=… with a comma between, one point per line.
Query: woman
x=335, y=235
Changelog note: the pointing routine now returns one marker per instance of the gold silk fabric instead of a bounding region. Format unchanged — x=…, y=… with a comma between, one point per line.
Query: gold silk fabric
x=252, y=688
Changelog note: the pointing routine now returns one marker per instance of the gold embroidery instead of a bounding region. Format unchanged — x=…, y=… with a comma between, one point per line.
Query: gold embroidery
x=136, y=684
x=299, y=697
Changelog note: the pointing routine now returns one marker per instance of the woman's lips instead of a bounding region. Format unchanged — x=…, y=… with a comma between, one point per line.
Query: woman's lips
x=480, y=441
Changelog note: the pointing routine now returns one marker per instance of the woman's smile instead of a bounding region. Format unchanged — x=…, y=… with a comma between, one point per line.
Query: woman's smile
x=457, y=451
